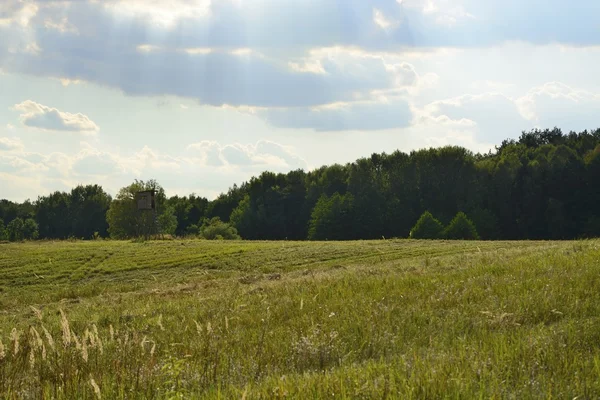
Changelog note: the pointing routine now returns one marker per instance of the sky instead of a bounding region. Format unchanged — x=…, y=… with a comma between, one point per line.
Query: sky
x=202, y=94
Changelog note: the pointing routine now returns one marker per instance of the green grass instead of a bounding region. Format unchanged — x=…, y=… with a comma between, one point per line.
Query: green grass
x=374, y=319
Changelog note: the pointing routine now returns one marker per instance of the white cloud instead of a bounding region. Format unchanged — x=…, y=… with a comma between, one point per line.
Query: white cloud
x=42, y=117
x=443, y=12
x=32, y=48
x=496, y=115
x=208, y=152
x=557, y=104
x=91, y=162
x=61, y=25
x=17, y=13
x=147, y=48
x=383, y=21
x=18, y=163
x=162, y=13
x=360, y=115
x=182, y=175
x=10, y=144
x=67, y=82
x=263, y=154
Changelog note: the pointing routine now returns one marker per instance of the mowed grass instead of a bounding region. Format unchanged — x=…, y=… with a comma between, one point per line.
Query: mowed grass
x=376, y=319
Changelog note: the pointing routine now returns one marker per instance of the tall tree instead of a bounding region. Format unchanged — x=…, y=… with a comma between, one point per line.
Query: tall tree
x=88, y=207
x=124, y=218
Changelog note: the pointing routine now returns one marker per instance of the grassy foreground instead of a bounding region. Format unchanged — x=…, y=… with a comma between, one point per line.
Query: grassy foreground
x=381, y=319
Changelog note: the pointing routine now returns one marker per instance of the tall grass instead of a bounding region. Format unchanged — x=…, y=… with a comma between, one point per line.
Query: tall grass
x=393, y=319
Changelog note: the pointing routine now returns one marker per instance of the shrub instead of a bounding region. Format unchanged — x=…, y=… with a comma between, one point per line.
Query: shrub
x=427, y=227
x=215, y=229
x=192, y=230
x=461, y=228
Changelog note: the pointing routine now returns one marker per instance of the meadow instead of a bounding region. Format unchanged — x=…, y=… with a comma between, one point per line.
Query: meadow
x=256, y=320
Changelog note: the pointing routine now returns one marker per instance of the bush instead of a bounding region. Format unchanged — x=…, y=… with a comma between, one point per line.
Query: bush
x=215, y=229
x=192, y=230
x=427, y=227
x=461, y=228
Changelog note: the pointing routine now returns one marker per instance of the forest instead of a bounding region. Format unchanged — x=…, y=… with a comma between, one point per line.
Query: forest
x=543, y=185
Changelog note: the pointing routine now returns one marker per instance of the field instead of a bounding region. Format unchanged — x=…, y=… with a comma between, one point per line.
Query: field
x=378, y=319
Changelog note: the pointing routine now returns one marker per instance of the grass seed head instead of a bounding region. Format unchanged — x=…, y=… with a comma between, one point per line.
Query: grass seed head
x=66, y=330
x=37, y=312
x=95, y=387
x=48, y=337
x=37, y=341
x=2, y=350
x=76, y=340
x=14, y=335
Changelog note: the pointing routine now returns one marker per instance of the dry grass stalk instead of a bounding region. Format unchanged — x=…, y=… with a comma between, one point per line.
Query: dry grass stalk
x=97, y=338
x=37, y=339
x=84, y=348
x=95, y=387
x=48, y=337
x=2, y=350
x=38, y=342
x=66, y=330
x=14, y=335
x=142, y=343
x=76, y=340
x=37, y=312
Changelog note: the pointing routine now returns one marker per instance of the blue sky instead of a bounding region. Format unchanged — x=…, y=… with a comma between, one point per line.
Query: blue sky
x=201, y=94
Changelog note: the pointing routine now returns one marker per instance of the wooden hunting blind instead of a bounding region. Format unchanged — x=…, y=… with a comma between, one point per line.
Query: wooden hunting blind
x=145, y=200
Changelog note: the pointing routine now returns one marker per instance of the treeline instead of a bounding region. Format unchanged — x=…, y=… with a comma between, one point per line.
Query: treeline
x=542, y=186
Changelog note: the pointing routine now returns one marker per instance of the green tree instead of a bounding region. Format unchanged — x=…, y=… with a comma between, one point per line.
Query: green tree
x=486, y=223
x=30, y=229
x=88, y=206
x=461, y=228
x=332, y=218
x=189, y=210
x=167, y=221
x=427, y=227
x=3, y=233
x=126, y=221
x=243, y=218
x=15, y=230
x=214, y=228
x=53, y=215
